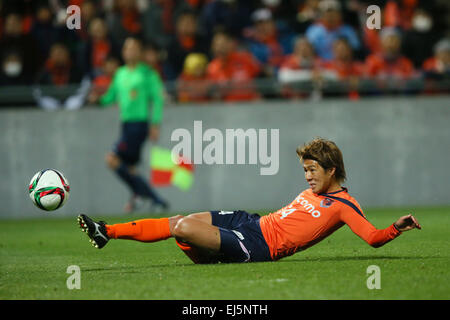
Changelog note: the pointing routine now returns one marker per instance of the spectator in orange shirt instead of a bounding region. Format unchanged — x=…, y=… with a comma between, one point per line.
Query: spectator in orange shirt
x=299, y=68
x=101, y=82
x=439, y=65
x=437, y=68
x=343, y=66
x=389, y=63
x=97, y=48
x=343, y=69
x=193, y=84
x=59, y=69
x=232, y=71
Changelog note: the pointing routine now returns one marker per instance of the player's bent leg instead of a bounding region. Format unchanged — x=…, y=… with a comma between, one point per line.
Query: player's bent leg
x=183, y=227
x=202, y=216
x=198, y=233
x=195, y=253
x=209, y=242
x=191, y=233
x=144, y=230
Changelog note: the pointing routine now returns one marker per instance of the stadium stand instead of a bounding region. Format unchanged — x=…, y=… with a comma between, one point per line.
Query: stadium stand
x=410, y=54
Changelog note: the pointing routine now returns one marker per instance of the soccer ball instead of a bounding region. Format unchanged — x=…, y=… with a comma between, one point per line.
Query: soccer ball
x=49, y=189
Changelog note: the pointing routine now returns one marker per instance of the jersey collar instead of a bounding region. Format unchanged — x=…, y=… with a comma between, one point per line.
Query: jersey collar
x=342, y=190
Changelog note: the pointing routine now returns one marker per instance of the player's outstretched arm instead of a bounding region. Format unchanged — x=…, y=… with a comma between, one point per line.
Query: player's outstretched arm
x=406, y=223
x=373, y=236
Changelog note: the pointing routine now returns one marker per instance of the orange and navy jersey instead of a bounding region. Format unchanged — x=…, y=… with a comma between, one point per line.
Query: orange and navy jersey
x=312, y=217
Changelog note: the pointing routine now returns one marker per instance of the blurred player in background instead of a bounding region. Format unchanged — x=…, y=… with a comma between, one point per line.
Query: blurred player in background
x=237, y=236
x=133, y=86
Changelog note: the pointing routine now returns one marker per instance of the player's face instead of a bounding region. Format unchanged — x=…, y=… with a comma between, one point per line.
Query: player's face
x=131, y=51
x=317, y=177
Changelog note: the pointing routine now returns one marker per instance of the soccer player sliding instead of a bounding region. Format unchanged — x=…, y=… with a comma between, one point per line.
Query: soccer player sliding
x=237, y=236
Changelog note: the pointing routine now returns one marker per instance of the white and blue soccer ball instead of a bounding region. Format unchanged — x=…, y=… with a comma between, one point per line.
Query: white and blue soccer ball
x=49, y=189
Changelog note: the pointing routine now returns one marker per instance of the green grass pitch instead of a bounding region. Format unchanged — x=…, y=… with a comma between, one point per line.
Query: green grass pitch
x=35, y=255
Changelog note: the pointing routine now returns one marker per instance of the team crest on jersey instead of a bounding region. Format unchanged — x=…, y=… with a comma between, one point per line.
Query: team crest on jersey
x=326, y=203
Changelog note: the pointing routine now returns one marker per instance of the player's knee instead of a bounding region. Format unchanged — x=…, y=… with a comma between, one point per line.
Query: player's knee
x=183, y=228
x=112, y=161
x=173, y=223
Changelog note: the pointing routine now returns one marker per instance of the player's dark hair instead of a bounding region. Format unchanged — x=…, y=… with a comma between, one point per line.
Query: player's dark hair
x=326, y=153
x=137, y=38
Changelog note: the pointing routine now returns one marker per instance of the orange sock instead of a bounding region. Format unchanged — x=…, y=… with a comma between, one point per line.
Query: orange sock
x=145, y=230
x=196, y=254
x=191, y=252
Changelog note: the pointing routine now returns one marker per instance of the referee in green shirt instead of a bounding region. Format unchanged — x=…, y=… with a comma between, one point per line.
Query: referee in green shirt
x=133, y=86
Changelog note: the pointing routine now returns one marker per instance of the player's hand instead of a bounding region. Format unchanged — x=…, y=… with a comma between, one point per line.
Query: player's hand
x=406, y=223
x=154, y=133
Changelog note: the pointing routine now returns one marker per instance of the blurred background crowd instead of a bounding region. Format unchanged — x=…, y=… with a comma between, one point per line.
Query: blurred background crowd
x=229, y=50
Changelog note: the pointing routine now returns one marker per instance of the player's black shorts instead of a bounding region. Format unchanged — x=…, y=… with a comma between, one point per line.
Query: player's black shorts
x=129, y=146
x=241, y=238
